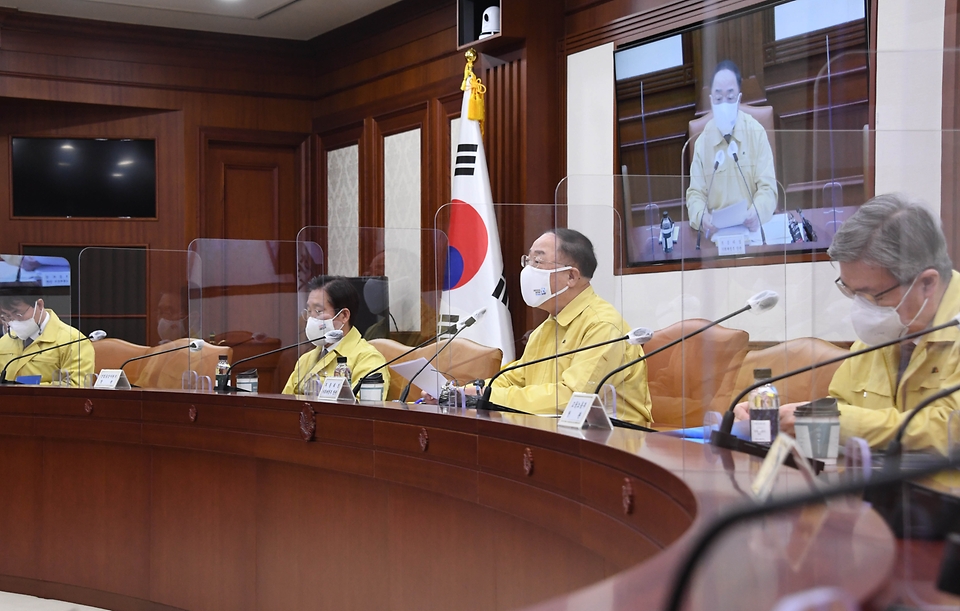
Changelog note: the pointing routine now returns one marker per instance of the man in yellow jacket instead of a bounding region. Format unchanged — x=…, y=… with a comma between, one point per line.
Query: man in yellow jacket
x=895, y=268
x=556, y=279
x=32, y=329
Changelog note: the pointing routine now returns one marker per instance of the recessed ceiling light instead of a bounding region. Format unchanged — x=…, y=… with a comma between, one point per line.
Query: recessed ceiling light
x=63, y=163
x=67, y=147
x=100, y=139
x=118, y=175
x=126, y=162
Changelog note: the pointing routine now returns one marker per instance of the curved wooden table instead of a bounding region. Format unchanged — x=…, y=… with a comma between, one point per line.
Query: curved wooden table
x=157, y=500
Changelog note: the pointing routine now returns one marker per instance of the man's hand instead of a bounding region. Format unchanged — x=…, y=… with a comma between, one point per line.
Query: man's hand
x=706, y=222
x=753, y=221
x=786, y=415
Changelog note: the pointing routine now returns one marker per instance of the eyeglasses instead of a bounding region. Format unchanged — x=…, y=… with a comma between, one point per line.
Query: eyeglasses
x=309, y=313
x=5, y=318
x=537, y=262
x=849, y=293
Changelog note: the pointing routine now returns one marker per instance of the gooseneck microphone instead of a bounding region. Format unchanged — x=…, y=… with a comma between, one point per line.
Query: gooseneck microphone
x=734, y=149
x=636, y=336
x=717, y=162
x=195, y=345
x=759, y=303
x=469, y=322
x=356, y=387
x=748, y=511
x=723, y=436
x=94, y=336
x=224, y=385
x=895, y=448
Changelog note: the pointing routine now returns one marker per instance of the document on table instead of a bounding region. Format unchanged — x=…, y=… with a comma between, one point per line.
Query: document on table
x=732, y=215
x=429, y=380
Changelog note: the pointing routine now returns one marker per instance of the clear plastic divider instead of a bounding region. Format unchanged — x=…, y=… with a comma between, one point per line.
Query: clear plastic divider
x=141, y=298
x=245, y=305
x=394, y=278
x=38, y=289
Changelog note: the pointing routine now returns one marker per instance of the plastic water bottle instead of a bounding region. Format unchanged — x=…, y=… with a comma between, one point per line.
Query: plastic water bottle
x=223, y=368
x=342, y=370
x=764, y=403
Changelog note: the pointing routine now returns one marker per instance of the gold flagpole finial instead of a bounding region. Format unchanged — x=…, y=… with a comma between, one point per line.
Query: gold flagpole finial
x=477, y=89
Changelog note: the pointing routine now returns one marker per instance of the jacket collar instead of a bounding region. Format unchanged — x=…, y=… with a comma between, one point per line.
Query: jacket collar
x=948, y=308
x=576, y=307
x=716, y=138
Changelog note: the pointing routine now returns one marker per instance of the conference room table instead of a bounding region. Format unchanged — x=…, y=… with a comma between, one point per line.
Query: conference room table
x=159, y=500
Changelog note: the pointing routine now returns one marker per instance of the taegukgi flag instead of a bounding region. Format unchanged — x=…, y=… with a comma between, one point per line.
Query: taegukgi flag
x=474, y=272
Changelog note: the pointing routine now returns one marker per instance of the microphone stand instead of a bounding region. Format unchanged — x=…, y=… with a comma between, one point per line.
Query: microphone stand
x=146, y=356
x=406, y=389
x=685, y=573
x=668, y=345
x=224, y=385
x=725, y=439
x=3, y=374
x=356, y=387
x=484, y=400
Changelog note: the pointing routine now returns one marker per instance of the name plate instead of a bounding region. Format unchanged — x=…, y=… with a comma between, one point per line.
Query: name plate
x=585, y=409
x=112, y=379
x=731, y=245
x=336, y=388
x=783, y=446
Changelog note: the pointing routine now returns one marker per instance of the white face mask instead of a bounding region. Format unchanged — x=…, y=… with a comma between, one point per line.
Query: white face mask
x=318, y=328
x=26, y=329
x=876, y=324
x=725, y=115
x=170, y=330
x=535, y=285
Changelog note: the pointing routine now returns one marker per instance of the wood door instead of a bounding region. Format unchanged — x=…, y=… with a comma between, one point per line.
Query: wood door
x=254, y=189
x=252, y=192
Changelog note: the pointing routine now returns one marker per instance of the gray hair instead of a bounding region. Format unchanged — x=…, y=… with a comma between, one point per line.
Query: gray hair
x=894, y=233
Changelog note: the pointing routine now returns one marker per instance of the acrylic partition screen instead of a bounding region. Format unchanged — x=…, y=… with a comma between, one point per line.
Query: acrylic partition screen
x=392, y=275
x=482, y=273
x=25, y=279
x=248, y=304
x=682, y=287
x=141, y=298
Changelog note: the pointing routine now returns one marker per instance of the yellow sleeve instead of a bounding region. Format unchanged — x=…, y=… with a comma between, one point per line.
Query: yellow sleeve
x=697, y=191
x=765, y=187
x=581, y=375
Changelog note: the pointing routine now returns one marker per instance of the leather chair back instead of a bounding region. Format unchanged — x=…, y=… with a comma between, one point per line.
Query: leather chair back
x=789, y=355
x=695, y=376
x=463, y=360
x=110, y=353
x=166, y=370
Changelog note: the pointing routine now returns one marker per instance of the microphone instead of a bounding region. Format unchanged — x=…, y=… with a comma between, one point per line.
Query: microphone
x=195, y=345
x=759, y=303
x=469, y=322
x=635, y=336
x=725, y=439
x=733, y=149
x=717, y=162
x=224, y=385
x=94, y=336
x=750, y=511
x=895, y=448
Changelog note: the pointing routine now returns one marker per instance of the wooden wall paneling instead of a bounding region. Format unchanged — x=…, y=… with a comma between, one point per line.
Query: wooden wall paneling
x=950, y=180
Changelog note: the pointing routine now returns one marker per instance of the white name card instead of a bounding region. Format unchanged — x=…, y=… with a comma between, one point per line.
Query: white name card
x=112, y=379
x=731, y=245
x=783, y=446
x=585, y=409
x=336, y=388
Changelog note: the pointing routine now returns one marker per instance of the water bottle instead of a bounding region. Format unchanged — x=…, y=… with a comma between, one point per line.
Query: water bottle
x=342, y=370
x=223, y=368
x=666, y=232
x=764, y=402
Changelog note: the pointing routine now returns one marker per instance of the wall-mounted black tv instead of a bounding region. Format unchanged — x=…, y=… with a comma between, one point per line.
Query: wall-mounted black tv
x=84, y=177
